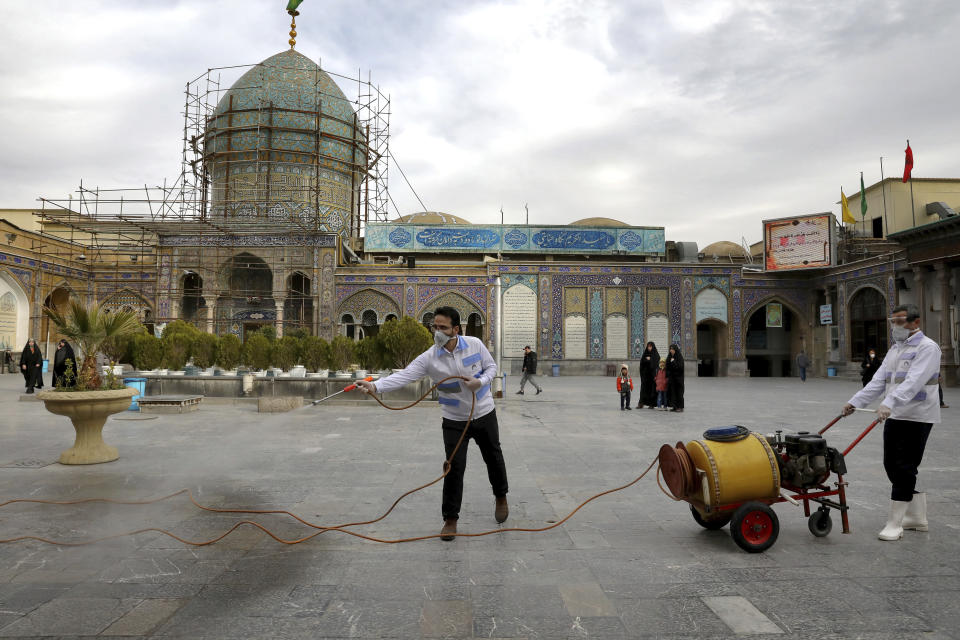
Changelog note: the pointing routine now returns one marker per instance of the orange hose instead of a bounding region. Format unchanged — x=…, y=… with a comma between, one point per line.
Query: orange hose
x=322, y=529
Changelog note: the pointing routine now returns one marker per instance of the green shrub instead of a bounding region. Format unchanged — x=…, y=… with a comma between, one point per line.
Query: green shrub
x=229, y=351
x=257, y=351
x=176, y=350
x=177, y=342
x=370, y=353
x=296, y=332
x=315, y=353
x=286, y=352
x=403, y=340
x=341, y=353
x=268, y=332
x=147, y=353
x=205, y=350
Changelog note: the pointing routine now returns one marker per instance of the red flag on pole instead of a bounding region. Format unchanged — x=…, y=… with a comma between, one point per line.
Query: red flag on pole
x=907, y=162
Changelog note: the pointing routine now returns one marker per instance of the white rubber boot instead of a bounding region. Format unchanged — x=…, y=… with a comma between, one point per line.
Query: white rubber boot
x=916, y=516
x=894, y=528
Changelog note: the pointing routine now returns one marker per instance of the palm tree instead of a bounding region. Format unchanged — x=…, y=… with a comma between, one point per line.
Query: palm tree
x=89, y=327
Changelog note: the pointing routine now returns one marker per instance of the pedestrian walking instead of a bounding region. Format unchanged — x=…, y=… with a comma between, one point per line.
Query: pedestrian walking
x=455, y=355
x=802, y=363
x=31, y=366
x=662, y=386
x=529, y=370
x=907, y=381
x=674, y=368
x=624, y=387
x=649, y=362
x=869, y=366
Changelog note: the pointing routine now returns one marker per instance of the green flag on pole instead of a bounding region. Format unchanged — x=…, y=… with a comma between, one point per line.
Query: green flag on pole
x=292, y=5
x=863, y=198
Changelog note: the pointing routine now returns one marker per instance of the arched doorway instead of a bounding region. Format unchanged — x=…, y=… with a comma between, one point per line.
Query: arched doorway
x=298, y=308
x=475, y=326
x=192, y=301
x=711, y=348
x=14, y=314
x=868, y=323
x=368, y=323
x=347, y=326
x=58, y=300
x=771, y=342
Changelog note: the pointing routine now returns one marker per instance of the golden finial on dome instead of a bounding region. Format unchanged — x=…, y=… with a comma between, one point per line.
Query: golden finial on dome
x=292, y=10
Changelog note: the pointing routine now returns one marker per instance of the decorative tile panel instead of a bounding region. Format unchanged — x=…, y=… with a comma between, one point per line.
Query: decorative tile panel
x=616, y=300
x=575, y=300
x=636, y=322
x=596, y=323
x=386, y=237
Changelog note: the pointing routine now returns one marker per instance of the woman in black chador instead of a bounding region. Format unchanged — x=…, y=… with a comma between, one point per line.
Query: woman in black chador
x=675, y=378
x=31, y=366
x=649, y=362
x=64, y=353
x=869, y=366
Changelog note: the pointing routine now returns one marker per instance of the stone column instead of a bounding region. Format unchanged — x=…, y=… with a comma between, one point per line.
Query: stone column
x=279, y=305
x=947, y=368
x=210, y=316
x=918, y=282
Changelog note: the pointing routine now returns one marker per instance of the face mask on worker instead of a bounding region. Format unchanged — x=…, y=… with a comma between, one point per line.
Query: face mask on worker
x=872, y=355
x=900, y=333
x=440, y=338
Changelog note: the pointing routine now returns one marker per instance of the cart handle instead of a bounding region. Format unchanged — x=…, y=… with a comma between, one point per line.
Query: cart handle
x=861, y=436
x=832, y=422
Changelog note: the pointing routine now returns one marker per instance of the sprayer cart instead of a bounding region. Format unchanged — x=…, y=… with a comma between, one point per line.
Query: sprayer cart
x=733, y=476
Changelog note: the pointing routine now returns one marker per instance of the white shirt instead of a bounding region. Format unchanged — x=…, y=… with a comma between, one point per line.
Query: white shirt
x=908, y=377
x=468, y=359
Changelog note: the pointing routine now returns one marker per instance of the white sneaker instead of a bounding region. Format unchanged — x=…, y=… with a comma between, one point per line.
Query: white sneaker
x=894, y=527
x=916, y=516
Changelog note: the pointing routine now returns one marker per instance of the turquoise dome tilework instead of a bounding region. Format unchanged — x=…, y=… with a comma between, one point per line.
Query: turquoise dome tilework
x=263, y=154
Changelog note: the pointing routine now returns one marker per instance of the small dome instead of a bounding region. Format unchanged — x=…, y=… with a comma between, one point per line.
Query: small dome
x=723, y=249
x=431, y=217
x=599, y=222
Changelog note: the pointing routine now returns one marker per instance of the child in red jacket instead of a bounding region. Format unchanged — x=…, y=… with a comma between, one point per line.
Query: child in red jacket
x=661, y=381
x=624, y=386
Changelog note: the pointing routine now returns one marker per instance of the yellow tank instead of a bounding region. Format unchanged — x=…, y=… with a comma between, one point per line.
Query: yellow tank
x=736, y=471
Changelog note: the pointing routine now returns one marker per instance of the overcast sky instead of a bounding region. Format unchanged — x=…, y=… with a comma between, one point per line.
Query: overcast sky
x=702, y=116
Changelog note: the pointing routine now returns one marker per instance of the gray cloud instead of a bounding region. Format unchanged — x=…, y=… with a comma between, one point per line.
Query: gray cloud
x=704, y=116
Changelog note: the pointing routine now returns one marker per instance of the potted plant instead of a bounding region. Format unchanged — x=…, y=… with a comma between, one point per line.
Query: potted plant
x=315, y=352
x=369, y=354
x=146, y=352
x=257, y=352
x=341, y=354
x=205, y=351
x=90, y=402
x=229, y=353
x=403, y=340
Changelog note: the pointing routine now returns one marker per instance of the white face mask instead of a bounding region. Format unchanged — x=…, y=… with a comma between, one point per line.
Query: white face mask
x=440, y=338
x=900, y=334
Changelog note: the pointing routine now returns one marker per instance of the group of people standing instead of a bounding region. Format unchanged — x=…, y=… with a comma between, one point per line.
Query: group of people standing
x=31, y=366
x=661, y=380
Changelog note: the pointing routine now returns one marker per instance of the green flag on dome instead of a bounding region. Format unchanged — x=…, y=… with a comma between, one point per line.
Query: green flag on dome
x=292, y=5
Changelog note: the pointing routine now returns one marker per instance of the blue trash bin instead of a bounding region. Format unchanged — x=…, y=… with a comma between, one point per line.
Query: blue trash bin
x=832, y=372
x=140, y=384
x=46, y=365
x=555, y=370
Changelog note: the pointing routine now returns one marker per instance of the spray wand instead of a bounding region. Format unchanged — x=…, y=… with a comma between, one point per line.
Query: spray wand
x=349, y=387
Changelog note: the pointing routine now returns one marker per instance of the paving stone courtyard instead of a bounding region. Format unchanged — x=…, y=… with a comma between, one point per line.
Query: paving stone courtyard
x=632, y=564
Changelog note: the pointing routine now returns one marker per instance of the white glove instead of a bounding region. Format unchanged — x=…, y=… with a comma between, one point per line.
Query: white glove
x=366, y=386
x=847, y=410
x=883, y=412
x=473, y=384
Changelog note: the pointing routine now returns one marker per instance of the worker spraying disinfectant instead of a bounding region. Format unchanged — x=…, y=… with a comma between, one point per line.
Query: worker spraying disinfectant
x=456, y=355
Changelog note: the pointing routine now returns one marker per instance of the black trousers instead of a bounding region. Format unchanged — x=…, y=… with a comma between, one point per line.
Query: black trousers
x=485, y=431
x=624, y=399
x=903, y=445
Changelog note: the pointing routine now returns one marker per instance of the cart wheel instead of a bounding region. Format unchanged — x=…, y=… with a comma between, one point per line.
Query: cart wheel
x=713, y=523
x=754, y=527
x=820, y=523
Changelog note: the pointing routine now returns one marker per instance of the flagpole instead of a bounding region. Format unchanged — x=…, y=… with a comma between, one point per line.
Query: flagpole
x=883, y=190
x=913, y=211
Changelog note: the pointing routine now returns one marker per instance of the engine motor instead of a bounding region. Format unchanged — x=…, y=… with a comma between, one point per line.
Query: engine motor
x=804, y=458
